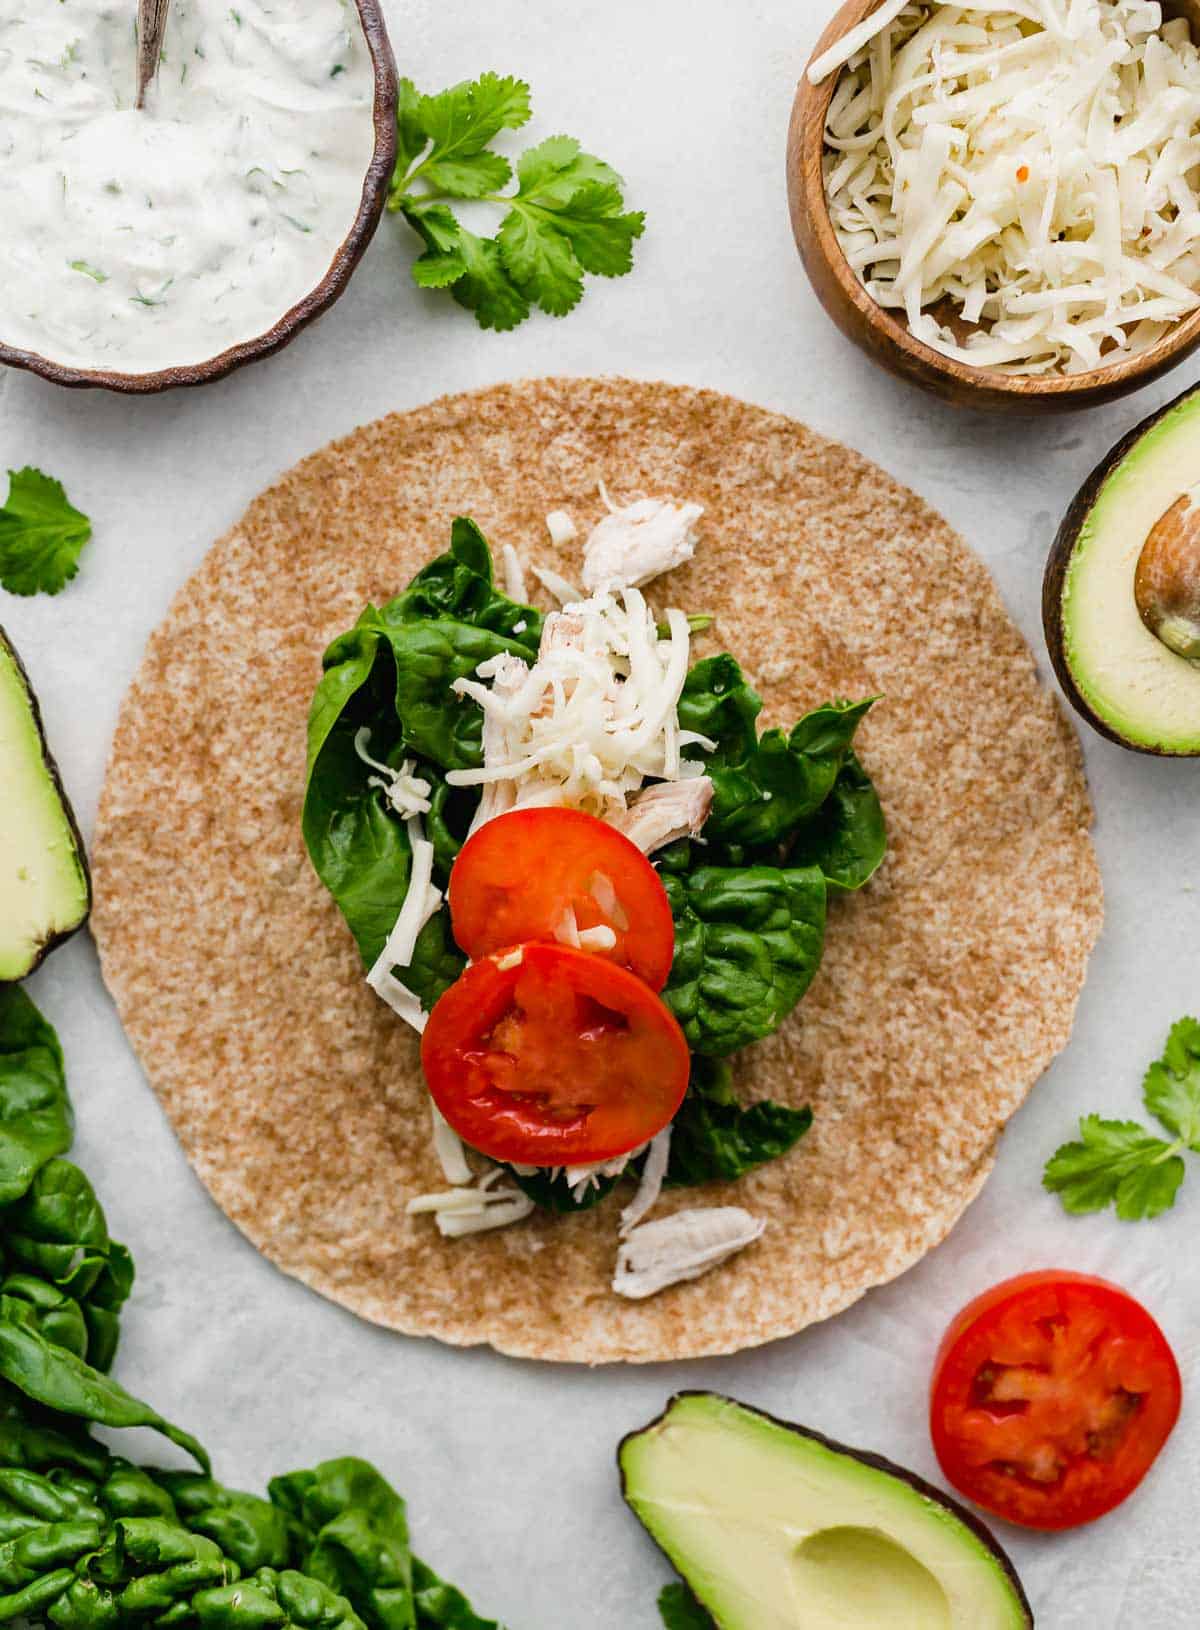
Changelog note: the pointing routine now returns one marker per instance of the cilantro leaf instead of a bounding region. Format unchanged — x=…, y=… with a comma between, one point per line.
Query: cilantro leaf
x=1115, y=1163
x=411, y=140
x=484, y=288
x=462, y=120
x=566, y=217
x=1172, y=1086
x=41, y=535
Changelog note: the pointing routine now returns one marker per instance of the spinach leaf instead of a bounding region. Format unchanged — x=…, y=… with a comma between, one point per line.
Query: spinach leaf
x=35, y=1116
x=847, y=837
x=436, y=961
x=428, y=657
x=250, y=1530
x=48, y=1310
x=360, y=850
x=783, y=780
x=717, y=1139
x=681, y=1611
x=271, y=1600
x=554, y=1194
x=35, y=1446
x=391, y=674
x=718, y=703
x=748, y=941
x=353, y=1537
x=59, y=1380
x=57, y=1231
x=441, y=1607
x=460, y=584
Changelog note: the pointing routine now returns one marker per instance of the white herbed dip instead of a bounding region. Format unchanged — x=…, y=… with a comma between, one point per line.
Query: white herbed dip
x=137, y=241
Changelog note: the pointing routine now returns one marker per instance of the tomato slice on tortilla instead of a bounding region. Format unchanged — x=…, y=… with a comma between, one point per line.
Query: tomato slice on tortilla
x=553, y=874
x=549, y=1056
x=1052, y=1395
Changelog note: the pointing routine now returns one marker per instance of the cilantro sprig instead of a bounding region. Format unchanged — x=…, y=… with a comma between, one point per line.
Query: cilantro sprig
x=1122, y=1164
x=41, y=535
x=565, y=217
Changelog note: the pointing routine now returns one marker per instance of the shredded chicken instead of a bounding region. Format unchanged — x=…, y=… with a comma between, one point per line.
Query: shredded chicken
x=682, y=1246
x=658, y=815
x=640, y=541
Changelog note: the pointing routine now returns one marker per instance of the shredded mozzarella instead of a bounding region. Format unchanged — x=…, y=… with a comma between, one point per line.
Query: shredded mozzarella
x=680, y=1247
x=561, y=527
x=1032, y=166
x=421, y=902
x=448, y=1147
x=407, y=792
x=514, y=574
x=556, y=584
x=650, y=1187
x=593, y=718
x=582, y=1178
x=487, y=1204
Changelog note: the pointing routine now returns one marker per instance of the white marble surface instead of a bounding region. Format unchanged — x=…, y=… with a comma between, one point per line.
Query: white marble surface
x=509, y=1467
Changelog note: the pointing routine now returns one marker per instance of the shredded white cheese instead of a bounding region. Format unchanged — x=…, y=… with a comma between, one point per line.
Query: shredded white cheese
x=593, y=718
x=514, y=574
x=448, y=1147
x=653, y=1174
x=421, y=902
x=682, y=1246
x=556, y=584
x=561, y=527
x=487, y=1204
x=1033, y=164
x=407, y=792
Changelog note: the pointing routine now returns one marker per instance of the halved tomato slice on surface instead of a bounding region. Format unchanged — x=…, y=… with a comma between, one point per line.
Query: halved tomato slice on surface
x=547, y=874
x=1052, y=1396
x=548, y=1056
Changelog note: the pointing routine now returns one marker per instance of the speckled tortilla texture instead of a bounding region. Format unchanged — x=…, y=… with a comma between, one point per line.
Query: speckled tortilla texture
x=948, y=984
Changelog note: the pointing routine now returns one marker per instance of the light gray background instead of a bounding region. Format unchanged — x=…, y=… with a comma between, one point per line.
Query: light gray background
x=509, y=1467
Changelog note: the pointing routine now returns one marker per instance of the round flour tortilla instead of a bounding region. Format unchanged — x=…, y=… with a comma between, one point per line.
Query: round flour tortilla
x=948, y=983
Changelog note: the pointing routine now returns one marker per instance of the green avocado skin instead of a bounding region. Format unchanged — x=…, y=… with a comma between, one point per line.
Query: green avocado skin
x=30, y=778
x=771, y=1525
x=1069, y=575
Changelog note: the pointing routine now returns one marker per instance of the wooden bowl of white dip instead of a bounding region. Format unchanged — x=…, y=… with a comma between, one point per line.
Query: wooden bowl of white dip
x=148, y=249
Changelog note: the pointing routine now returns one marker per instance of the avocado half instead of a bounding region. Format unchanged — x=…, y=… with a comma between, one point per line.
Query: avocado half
x=1121, y=677
x=45, y=885
x=773, y=1527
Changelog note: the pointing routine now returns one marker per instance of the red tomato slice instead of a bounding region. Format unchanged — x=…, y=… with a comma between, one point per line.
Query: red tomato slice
x=518, y=878
x=552, y=1057
x=1052, y=1395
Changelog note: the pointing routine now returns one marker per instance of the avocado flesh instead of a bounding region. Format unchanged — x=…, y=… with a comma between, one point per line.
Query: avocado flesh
x=44, y=888
x=1144, y=692
x=776, y=1529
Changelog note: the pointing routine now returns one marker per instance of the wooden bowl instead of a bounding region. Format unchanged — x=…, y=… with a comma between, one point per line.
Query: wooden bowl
x=345, y=259
x=885, y=337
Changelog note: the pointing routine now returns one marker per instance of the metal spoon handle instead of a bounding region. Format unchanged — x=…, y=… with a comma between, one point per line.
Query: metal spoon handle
x=151, y=25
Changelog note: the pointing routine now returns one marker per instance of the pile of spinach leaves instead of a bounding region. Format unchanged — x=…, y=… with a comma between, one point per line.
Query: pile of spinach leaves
x=90, y=1541
x=795, y=818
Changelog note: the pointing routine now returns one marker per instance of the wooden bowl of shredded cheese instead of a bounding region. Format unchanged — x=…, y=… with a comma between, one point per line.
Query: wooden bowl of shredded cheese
x=1001, y=202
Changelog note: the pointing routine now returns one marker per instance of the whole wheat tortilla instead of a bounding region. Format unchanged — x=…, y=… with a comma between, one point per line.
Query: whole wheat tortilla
x=947, y=987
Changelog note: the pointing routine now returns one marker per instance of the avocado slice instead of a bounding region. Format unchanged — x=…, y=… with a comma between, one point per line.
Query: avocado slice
x=45, y=887
x=1124, y=664
x=776, y=1528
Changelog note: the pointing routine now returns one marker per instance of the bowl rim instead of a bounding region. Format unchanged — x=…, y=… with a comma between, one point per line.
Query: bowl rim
x=808, y=121
x=345, y=259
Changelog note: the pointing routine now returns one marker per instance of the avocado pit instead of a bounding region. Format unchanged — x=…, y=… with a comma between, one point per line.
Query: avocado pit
x=1166, y=584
